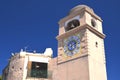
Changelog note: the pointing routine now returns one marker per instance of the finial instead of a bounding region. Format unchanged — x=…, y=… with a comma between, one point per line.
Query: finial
x=21, y=50
x=12, y=54
x=34, y=51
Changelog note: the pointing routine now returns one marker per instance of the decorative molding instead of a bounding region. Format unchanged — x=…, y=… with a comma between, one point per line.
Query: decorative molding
x=77, y=29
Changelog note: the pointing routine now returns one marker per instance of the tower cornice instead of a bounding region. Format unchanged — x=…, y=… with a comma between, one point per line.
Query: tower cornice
x=76, y=30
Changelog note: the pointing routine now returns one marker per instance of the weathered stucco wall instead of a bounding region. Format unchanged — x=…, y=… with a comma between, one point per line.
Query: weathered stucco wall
x=15, y=68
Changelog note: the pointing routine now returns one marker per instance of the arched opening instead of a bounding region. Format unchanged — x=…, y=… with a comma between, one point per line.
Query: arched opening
x=72, y=24
x=93, y=23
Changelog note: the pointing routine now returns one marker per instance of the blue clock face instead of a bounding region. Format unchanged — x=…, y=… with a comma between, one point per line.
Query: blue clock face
x=71, y=45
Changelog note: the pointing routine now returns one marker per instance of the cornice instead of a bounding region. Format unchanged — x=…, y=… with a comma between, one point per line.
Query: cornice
x=77, y=29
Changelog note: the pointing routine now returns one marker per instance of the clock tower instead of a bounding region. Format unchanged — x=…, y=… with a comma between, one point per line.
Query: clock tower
x=81, y=54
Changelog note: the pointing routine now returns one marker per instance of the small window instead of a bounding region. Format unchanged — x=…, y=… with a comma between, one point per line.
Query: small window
x=96, y=44
x=93, y=23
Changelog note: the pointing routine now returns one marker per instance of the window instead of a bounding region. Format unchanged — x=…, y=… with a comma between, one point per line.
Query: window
x=96, y=44
x=93, y=23
x=38, y=70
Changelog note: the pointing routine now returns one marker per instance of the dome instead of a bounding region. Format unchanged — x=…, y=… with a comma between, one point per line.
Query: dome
x=80, y=7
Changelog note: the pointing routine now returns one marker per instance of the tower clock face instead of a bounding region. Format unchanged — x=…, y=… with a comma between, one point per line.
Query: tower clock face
x=71, y=45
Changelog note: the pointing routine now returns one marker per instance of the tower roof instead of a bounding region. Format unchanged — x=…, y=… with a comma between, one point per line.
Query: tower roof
x=79, y=8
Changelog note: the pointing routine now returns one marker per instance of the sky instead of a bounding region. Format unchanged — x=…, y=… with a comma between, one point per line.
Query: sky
x=33, y=25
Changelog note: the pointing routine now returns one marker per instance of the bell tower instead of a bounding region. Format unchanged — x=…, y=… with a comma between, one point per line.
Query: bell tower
x=81, y=54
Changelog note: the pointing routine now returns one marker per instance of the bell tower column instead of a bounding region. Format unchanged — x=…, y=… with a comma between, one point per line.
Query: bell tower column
x=81, y=54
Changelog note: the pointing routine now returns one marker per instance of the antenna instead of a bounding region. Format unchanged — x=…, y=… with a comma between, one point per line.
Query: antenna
x=21, y=50
x=34, y=51
x=25, y=48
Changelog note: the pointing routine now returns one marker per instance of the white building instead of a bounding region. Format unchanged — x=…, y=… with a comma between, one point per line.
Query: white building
x=30, y=66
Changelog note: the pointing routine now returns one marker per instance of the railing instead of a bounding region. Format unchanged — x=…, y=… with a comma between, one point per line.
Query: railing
x=39, y=74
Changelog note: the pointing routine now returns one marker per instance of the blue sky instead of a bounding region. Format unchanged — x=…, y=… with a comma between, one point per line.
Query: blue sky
x=34, y=24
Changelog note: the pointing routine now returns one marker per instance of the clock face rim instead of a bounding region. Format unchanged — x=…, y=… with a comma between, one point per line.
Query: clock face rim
x=74, y=47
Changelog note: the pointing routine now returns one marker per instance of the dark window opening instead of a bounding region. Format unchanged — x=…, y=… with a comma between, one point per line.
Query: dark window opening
x=39, y=70
x=93, y=23
x=96, y=44
x=72, y=24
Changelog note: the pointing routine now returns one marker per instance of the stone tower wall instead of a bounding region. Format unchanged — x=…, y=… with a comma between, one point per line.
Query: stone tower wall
x=16, y=68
